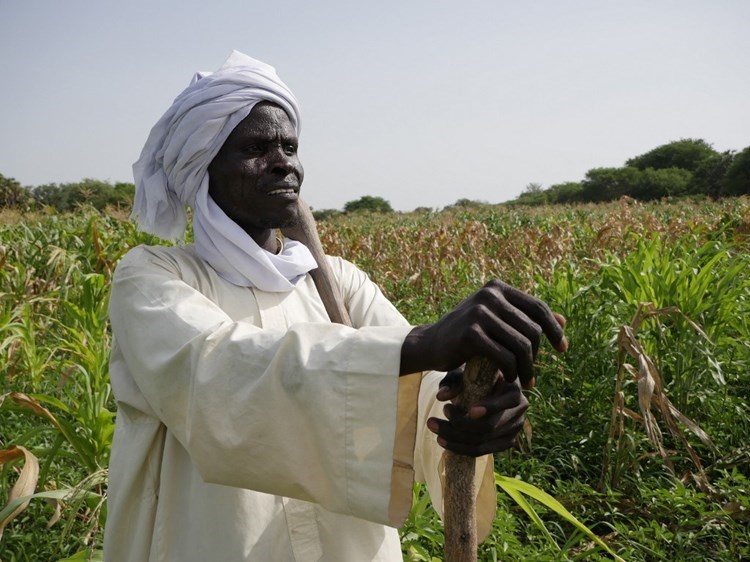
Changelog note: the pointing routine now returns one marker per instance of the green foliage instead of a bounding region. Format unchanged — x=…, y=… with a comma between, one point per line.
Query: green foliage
x=607, y=184
x=12, y=194
x=592, y=263
x=326, y=214
x=736, y=181
x=681, y=168
x=568, y=192
x=95, y=193
x=369, y=204
x=465, y=203
x=663, y=182
x=55, y=395
x=686, y=154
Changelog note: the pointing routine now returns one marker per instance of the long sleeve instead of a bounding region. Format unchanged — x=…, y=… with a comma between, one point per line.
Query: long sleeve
x=305, y=410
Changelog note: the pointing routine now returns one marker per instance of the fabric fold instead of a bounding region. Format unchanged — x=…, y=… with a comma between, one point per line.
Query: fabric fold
x=172, y=173
x=238, y=258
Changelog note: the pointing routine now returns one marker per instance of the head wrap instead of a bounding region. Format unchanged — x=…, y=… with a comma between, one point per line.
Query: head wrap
x=172, y=173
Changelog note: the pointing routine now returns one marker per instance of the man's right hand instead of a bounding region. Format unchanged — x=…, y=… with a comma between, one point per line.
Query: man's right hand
x=499, y=322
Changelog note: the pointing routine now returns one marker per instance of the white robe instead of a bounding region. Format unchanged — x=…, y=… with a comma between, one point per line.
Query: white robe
x=251, y=428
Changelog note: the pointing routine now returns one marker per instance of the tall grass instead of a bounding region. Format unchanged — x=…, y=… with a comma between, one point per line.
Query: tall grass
x=597, y=265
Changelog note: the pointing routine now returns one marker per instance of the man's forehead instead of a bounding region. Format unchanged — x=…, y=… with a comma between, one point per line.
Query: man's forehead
x=265, y=118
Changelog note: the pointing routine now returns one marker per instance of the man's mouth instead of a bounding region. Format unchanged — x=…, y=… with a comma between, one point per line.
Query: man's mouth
x=283, y=191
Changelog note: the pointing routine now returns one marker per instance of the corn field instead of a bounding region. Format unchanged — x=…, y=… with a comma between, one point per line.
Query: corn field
x=641, y=430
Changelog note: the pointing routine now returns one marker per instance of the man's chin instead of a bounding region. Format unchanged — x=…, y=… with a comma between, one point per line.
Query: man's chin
x=288, y=220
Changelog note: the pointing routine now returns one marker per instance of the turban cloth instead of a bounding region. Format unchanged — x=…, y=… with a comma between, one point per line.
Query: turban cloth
x=172, y=173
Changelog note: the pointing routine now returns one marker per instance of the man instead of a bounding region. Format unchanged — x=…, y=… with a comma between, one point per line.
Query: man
x=250, y=427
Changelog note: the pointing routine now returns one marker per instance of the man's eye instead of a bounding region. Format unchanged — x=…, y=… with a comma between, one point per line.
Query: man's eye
x=290, y=149
x=254, y=149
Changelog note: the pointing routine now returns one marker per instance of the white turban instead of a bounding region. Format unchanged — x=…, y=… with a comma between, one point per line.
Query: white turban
x=171, y=173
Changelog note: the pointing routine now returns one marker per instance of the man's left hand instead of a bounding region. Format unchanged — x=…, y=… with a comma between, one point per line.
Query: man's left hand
x=489, y=426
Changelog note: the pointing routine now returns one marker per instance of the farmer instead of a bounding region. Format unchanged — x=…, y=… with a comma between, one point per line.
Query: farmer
x=249, y=426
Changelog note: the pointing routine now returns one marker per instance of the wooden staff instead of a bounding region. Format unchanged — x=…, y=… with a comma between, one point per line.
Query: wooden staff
x=479, y=378
x=459, y=501
x=306, y=232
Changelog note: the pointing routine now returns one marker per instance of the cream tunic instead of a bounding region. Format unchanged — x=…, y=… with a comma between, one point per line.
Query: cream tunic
x=251, y=428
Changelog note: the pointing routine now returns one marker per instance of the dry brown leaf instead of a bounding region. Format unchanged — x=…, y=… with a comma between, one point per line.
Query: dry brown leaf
x=694, y=427
x=651, y=393
x=26, y=482
x=28, y=402
x=627, y=412
x=57, y=506
x=527, y=431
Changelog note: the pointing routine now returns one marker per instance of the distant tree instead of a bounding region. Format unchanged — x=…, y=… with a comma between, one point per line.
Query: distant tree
x=67, y=197
x=533, y=198
x=464, y=202
x=688, y=154
x=325, y=214
x=533, y=194
x=12, y=194
x=708, y=178
x=607, y=184
x=368, y=203
x=123, y=195
x=568, y=192
x=666, y=182
x=533, y=187
x=736, y=181
x=50, y=194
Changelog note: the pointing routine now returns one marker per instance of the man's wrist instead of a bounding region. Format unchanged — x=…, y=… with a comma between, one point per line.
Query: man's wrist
x=414, y=351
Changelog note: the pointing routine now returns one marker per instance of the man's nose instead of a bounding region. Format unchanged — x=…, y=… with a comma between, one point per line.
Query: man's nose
x=281, y=160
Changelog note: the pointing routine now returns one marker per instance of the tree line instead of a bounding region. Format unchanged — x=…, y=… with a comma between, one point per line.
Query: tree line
x=66, y=197
x=687, y=167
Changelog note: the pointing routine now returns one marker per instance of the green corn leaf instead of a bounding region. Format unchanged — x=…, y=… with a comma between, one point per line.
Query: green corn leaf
x=520, y=487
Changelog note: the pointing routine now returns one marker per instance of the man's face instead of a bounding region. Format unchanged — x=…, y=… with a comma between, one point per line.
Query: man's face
x=256, y=176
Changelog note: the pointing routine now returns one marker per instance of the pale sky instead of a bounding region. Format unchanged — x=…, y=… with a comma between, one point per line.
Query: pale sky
x=422, y=102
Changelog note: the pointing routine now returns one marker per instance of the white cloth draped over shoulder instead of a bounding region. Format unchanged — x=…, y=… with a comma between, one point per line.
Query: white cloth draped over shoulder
x=171, y=173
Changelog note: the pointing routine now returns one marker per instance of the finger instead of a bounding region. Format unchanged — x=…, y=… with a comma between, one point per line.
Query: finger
x=524, y=325
x=539, y=312
x=504, y=359
x=451, y=385
x=560, y=319
x=489, y=444
x=531, y=384
x=517, y=343
x=453, y=411
x=461, y=429
x=506, y=396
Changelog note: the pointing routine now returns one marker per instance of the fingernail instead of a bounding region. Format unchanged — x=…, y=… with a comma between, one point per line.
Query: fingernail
x=442, y=442
x=432, y=425
x=442, y=392
x=477, y=412
x=563, y=345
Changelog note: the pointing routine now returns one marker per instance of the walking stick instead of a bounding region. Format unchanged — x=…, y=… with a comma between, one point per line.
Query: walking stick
x=459, y=499
x=479, y=378
x=306, y=232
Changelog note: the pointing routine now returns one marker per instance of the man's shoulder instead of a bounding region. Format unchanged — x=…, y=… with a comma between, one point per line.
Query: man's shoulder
x=343, y=268
x=349, y=276
x=173, y=258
